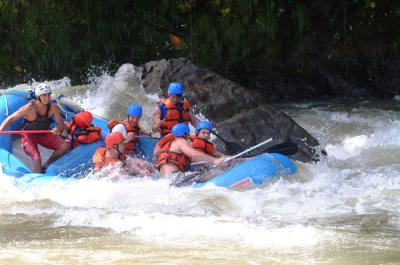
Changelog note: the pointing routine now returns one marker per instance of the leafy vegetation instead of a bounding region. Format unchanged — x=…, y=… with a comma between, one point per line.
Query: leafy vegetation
x=51, y=38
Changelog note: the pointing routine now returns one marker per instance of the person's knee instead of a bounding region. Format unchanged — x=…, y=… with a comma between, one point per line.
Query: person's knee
x=64, y=148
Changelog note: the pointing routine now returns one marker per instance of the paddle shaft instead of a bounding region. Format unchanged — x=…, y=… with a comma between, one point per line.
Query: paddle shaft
x=248, y=150
x=25, y=132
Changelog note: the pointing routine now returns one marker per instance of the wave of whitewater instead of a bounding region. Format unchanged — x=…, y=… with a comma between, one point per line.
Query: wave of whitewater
x=344, y=208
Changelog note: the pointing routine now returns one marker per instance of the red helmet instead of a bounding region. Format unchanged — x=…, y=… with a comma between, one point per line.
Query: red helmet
x=113, y=139
x=83, y=119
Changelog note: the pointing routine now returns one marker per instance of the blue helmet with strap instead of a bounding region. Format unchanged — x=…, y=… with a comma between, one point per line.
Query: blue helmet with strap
x=203, y=125
x=134, y=110
x=180, y=130
x=175, y=88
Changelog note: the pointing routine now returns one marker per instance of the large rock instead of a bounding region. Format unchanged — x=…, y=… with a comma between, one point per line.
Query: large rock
x=239, y=114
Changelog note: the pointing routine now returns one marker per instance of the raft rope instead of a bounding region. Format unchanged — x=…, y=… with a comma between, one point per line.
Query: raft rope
x=62, y=108
x=16, y=94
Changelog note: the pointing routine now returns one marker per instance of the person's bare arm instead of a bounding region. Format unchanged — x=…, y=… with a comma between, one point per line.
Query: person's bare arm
x=197, y=156
x=156, y=152
x=145, y=132
x=155, y=126
x=16, y=115
x=59, y=120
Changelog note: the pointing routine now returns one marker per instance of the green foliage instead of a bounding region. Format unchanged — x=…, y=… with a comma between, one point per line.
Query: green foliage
x=66, y=37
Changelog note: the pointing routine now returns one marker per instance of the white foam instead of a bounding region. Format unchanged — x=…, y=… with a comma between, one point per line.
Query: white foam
x=396, y=98
x=349, y=147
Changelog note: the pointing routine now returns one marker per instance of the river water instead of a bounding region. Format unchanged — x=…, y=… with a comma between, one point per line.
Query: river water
x=342, y=210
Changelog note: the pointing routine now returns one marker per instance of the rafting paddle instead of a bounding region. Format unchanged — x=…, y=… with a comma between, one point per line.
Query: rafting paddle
x=283, y=148
x=25, y=132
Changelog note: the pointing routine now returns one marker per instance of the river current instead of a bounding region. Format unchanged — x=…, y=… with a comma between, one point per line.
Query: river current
x=343, y=210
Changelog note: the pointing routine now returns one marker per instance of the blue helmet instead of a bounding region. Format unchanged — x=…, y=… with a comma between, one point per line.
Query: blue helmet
x=175, y=88
x=203, y=125
x=134, y=110
x=180, y=129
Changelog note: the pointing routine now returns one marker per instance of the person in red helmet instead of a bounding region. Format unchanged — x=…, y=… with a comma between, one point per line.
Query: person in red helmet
x=37, y=116
x=114, y=154
x=81, y=130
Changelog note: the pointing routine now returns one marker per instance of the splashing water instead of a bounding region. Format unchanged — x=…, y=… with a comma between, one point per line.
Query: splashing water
x=342, y=210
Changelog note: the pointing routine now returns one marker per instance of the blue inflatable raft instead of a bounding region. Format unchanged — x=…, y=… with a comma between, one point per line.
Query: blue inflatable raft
x=253, y=172
x=78, y=162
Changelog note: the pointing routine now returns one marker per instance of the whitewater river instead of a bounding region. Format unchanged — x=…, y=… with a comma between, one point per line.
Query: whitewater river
x=343, y=210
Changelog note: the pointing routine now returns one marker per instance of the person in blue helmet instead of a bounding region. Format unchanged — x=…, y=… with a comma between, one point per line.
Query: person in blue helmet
x=130, y=127
x=201, y=140
x=172, y=110
x=173, y=152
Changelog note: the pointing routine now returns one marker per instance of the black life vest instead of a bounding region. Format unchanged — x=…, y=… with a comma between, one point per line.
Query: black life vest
x=42, y=122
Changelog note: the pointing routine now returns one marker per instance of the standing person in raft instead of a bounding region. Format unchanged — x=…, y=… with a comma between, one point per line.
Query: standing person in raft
x=37, y=116
x=171, y=111
x=173, y=153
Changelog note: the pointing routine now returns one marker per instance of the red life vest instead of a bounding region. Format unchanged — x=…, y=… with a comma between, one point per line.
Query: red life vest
x=82, y=132
x=167, y=156
x=130, y=146
x=100, y=160
x=202, y=145
x=174, y=115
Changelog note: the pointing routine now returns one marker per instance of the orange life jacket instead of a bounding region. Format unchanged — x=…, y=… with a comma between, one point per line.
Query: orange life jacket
x=130, y=146
x=79, y=134
x=174, y=115
x=100, y=160
x=167, y=156
x=202, y=145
